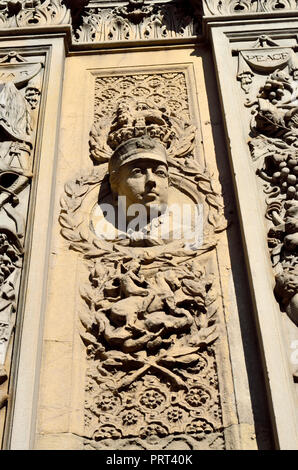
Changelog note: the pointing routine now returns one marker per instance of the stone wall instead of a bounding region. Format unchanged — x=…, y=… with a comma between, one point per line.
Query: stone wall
x=170, y=323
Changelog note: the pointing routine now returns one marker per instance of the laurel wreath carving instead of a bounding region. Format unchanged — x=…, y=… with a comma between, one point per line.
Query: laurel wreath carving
x=82, y=240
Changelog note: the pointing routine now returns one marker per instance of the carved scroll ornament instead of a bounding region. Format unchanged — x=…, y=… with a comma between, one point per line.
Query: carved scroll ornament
x=149, y=318
x=238, y=7
x=273, y=146
x=21, y=14
x=19, y=99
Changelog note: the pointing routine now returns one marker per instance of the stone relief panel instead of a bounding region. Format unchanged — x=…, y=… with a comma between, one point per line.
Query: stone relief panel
x=21, y=86
x=268, y=74
x=150, y=310
x=135, y=20
x=234, y=7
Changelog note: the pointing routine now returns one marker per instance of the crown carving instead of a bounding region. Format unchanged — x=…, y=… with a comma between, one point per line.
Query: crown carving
x=130, y=123
x=136, y=121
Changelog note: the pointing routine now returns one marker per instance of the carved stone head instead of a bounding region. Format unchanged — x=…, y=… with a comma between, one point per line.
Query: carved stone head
x=138, y=170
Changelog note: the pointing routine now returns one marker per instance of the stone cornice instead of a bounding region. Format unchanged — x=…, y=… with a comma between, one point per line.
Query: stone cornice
x=101, y=22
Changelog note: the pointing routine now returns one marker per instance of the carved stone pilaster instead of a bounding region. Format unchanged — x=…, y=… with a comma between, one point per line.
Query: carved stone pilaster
x=21, y=86
x=271, y=70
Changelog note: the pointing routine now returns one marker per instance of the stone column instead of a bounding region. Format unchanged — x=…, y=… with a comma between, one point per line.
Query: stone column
x=255, y=55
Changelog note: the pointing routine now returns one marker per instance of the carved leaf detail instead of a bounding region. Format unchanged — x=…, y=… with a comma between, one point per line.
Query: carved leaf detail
x=49, y=12
x=236, y=7
x=143, y=22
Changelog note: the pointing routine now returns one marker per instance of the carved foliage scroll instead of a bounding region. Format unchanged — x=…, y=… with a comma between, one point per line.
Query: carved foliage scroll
x=149, y=314
x=136, y=21
x=133, y=20
x=238, y=7
x=273, y=146
x=36, y=13
x=20, y=90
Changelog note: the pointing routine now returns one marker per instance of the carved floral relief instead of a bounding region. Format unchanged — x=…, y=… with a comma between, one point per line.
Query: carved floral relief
x=149, y=310
x=20, y=89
